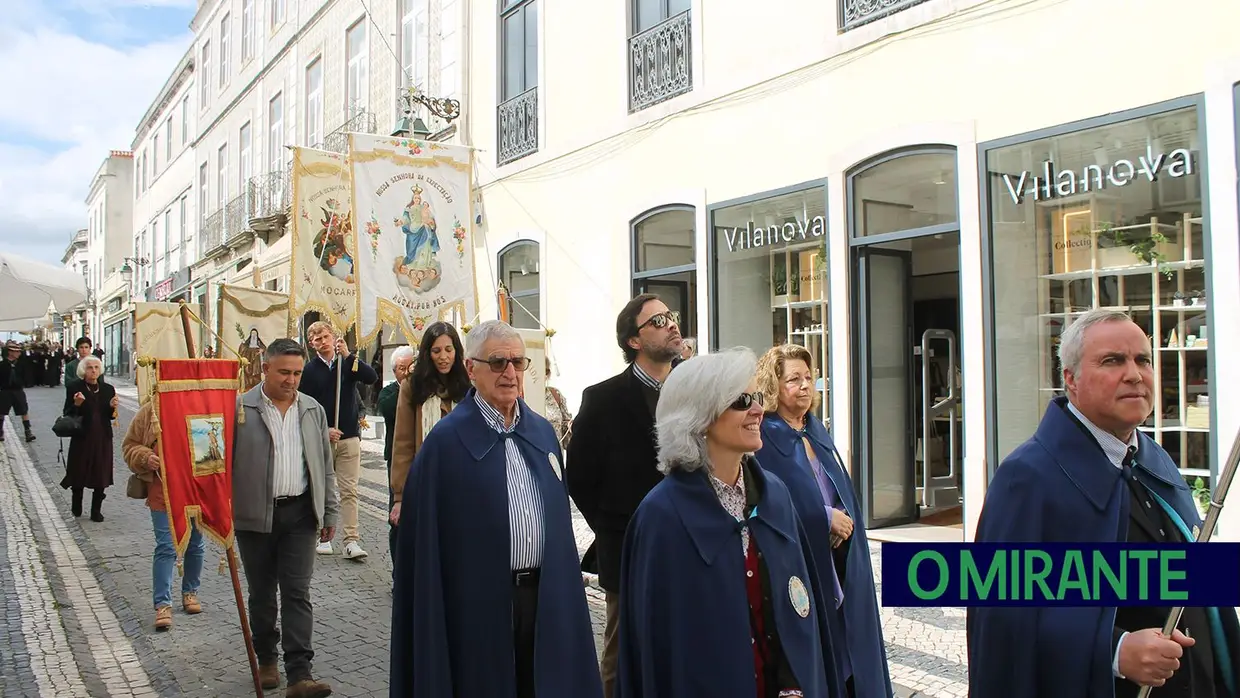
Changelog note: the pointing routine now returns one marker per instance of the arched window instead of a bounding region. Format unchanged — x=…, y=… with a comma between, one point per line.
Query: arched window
x=905, y=192
x=519, y=272
x=664, y=254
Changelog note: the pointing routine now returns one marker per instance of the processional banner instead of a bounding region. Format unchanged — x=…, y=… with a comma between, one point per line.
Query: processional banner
x=195, y=405
x=534, y=386
x=159, y=333
x=249, y=320
x=323, y=274
x=417, y=257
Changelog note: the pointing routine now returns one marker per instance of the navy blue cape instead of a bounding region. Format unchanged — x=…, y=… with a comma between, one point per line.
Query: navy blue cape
x=452, y=629
x=1059, y=487
x=783, y=455
x=684, y=618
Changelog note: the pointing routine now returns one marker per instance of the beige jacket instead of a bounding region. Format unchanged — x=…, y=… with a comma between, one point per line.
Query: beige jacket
x=407, y=437
x=139, y=444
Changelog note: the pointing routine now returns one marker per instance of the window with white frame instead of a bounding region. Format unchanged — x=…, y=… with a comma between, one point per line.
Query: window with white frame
x=247, y=30
x=225, y=25
x=519, y=42
x=154, y=156
x=518, y=270
x=278, y=8
x=204, y=86
x=449, y=46
x=275, y=134
x=244, y=164
x=142, y=171
x=314, y=102
x=183, y=237
x=169, y=259
x=168, y=141
x=203, y=180
x=357, y=80
x=185, y=120
x=221, y=175
x=414, y=47
x=157, y=257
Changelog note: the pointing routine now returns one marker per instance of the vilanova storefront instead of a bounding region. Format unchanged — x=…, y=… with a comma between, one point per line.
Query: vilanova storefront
x=923, y=358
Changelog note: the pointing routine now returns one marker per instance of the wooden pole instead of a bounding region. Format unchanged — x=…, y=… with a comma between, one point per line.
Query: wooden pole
x=338, y=388
x=232, y=556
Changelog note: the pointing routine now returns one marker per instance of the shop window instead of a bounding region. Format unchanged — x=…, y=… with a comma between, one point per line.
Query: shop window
x=519, y=271
x=1105, y=217
x=770, y=283
x=664, y=260
x=906, y=192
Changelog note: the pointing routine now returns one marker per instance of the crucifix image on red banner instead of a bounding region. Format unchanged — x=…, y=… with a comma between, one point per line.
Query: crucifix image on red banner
x=195, y=405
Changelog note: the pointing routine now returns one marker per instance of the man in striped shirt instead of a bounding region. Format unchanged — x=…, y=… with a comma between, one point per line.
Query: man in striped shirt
x=486, y=550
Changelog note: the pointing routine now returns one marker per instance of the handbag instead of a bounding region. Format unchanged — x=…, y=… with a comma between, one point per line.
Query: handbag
x=136, y=488
x=68, y=426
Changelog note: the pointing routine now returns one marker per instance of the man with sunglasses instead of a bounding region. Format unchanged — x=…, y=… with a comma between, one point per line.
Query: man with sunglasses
x=612, y=459
x=486, y=550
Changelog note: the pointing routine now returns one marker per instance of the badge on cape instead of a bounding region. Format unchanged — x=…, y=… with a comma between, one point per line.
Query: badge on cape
x=799, y=596
x=555, y=465
x=1196, y=532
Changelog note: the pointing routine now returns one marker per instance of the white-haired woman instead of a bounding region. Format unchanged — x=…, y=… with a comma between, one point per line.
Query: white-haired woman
x=89, y=464
x=718, y=597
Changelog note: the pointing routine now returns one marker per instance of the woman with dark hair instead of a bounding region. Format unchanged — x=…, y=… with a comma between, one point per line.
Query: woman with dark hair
x=436, y=384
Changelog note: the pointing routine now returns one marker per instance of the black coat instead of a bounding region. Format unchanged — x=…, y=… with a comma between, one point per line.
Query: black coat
x=611, y=465
x=89, y=463
x=21, y=366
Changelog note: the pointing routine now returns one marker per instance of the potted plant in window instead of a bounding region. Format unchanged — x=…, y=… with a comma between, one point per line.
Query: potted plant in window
x=779, y=283
x=1201, y=496
x=1148, y=249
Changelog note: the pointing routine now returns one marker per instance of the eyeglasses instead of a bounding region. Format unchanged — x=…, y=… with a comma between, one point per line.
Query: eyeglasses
x=746, y=400
x=499, y=363
x=661, y=320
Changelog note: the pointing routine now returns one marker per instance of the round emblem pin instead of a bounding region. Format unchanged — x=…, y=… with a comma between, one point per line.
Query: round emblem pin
x=555, y=465
x=799, y=596
x=1196, y=532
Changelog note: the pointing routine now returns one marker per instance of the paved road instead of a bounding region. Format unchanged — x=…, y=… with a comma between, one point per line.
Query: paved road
x=76, y=607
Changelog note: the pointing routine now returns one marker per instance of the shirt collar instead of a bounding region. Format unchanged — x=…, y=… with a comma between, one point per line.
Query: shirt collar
x=329, y=363
x=645, y=378
x=494, y=419
x=1114, y=449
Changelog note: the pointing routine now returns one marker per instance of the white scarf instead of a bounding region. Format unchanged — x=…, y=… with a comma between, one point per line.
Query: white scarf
x=432, y=410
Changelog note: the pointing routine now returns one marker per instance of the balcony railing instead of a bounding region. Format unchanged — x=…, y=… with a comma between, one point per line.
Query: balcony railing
x=338, y=141
x=268, y=194
x=518, y=127
x=212, y=235
x=236, y=218
x=660, y=62
x=854, y=13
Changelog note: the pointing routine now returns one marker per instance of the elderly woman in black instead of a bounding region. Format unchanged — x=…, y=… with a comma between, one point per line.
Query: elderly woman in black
x=89, y=465
x=720, y=597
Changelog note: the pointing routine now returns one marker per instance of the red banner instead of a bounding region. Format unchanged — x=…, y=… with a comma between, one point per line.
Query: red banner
x=196, y=404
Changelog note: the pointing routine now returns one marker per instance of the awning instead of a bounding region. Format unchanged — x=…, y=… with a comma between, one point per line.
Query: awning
x=28, y=287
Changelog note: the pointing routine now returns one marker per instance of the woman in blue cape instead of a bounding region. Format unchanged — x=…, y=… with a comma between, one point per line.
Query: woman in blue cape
x=797, y=448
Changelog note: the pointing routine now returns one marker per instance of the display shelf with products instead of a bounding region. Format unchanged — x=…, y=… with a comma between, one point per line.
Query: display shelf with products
x=799, y=307
x=1153, y=270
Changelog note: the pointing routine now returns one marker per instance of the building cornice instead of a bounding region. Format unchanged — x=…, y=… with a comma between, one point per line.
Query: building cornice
x=77, y=242
x=96, y=182
x=170, y=89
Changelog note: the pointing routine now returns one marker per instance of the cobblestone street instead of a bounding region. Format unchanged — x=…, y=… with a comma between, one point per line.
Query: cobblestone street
x=77, y=610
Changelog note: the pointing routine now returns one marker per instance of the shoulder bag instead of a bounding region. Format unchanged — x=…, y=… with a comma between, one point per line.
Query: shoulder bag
x=68, y=426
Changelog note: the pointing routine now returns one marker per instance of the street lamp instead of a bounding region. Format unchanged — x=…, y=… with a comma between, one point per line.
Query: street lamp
x=127, y=271
x=410, y=125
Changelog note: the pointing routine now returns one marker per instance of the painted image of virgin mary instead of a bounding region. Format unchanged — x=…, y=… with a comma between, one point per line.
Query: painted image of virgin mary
x=419, y=265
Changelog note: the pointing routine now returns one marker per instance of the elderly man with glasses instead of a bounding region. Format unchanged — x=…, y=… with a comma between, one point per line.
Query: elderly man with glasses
x=486, y=551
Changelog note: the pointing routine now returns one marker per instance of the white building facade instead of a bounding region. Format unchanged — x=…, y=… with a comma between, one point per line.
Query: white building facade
x=109, y=243
x=880, y=182
x=77, y=260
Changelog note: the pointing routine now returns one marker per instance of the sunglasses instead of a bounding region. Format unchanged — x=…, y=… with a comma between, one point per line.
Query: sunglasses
x=499, y=363
x=661, y=320
x=746, y=400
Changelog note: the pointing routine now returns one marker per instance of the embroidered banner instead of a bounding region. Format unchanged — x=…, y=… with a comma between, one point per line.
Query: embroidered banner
x=159, y=333
x=195, y=405
x=323, y=274
x=249, y=319
x=414, y=199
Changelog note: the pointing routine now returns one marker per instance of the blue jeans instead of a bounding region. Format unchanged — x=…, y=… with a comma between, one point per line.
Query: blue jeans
x=165, y=561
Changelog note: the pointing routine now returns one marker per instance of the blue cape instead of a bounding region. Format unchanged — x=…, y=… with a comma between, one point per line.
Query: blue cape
x=782, y=454
x=452, y=600
x=1059, y=487
x=684, y=618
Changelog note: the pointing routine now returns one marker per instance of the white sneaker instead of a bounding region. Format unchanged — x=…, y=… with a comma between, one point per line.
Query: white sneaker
x=353, y=551
x=324, y=548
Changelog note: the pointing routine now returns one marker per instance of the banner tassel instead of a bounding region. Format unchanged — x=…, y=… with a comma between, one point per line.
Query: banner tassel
x=241, y=363
x=224, y=564
x=180, y=566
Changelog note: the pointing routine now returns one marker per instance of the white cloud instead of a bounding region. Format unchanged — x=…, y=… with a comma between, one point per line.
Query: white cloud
x=68, y=103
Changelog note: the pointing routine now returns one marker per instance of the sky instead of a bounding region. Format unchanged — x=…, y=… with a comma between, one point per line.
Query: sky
x=75, y=78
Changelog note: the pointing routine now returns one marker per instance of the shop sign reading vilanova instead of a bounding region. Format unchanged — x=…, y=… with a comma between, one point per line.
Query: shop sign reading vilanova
x=751, y=236
x=1052, y=184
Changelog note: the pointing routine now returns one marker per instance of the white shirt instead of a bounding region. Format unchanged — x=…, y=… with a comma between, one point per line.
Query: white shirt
x=1116, y=451
x=290, y=478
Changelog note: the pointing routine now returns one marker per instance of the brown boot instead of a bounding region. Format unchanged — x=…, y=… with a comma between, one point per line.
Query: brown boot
x=163, y=618
x=189, y=601
x=308, y=688
x=269, y=676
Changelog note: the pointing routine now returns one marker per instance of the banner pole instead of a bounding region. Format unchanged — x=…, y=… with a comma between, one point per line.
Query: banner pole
x=339, y=360
x=232, y=557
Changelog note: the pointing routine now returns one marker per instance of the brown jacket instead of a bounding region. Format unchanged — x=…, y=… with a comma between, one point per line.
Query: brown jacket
x=407, y=436
x=139, y=444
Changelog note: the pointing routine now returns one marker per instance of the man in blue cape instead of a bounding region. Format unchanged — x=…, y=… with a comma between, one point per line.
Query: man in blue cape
x=1089, y=475
x=486, y=552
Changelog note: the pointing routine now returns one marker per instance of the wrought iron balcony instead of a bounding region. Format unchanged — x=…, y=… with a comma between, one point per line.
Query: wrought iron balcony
x=660, y=62
x=338, y=141
x=518, y=127
x=268, y=194
x=212, y=235
x=854, y=13
x=236, y=220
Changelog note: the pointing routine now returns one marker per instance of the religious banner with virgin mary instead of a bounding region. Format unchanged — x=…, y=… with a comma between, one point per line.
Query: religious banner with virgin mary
x=323, y=277
x=414, y=199
x=249, y=320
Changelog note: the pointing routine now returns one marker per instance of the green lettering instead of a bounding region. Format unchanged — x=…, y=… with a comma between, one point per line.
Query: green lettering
x=1074, y=567
x=1038, y=577
x=1013, y=590
x=916, y=587
x=970, y=578
x=1102, y=567
x=1166, y=575
x=1143, y=558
